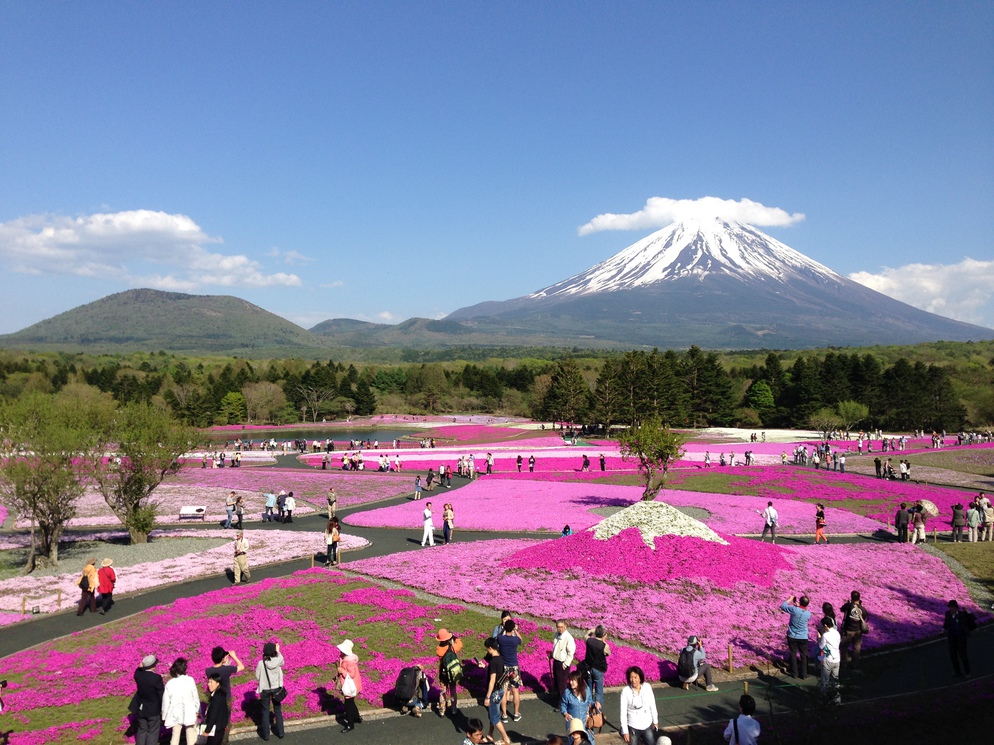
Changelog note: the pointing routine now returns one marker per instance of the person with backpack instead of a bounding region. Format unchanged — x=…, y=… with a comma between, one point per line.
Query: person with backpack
x=106, y=579
x=958, y=625
x=743, y=730
x=87, y=584
x=692, y=664
x=412, y=689
x=854, y=625
x=449, y=670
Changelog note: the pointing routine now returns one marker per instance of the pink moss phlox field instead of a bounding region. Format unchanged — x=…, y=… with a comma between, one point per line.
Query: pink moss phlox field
x=676, y=557
x=798, y=482
x=191, y=627
x=905, y=591
x=740, y=515
x=473, y=433
x=265, y=547
x=351, y=487
x=3, y=514
x=498, y=505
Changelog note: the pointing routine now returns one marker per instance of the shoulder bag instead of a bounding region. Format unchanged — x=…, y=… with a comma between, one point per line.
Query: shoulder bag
x=278, y=694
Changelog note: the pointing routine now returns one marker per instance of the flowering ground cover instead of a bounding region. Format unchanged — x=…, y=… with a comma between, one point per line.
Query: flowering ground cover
x=265, y=547
x=92, y=510
x=731, y=594
x=391, y=629
x=501, y=504
x=871, y=497
x=3, y=514
x=351, y=487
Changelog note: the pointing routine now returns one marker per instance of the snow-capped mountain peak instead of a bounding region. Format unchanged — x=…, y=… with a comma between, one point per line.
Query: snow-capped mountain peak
x=695, y=249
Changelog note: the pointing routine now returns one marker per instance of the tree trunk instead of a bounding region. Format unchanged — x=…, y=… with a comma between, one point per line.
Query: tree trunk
x=137, y=536
x=30, y=565
x=53, y=549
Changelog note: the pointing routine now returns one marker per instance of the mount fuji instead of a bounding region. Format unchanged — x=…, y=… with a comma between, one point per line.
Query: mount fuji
x=718, y=284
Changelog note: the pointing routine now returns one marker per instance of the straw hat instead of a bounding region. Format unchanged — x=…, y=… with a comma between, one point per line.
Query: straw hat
x=106, y=562
x=345, y=647
x=575, y=725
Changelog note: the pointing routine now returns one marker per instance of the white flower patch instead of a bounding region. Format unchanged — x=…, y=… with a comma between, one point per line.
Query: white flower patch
x=654, y=519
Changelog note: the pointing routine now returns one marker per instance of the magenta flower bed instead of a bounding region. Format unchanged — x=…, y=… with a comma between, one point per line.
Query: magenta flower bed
x=828, y=486
x=498, y=504
x=740, y=515
x=3, y=514
x=351, y=487
x=904, y=606
x=191, y=627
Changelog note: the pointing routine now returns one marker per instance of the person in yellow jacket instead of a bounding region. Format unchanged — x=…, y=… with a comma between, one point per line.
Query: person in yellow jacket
x=87, y=584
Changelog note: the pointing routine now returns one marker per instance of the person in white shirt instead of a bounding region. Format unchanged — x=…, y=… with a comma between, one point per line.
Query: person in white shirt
x=428, y=537
x=562, y=654
x=829, y=641
x=743, y=730
x=639, y=720
x=771, y=517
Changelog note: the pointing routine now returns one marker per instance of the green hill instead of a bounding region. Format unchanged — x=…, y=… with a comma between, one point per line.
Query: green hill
x=150, y=320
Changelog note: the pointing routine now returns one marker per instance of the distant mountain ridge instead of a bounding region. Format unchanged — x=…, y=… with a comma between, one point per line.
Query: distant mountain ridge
x=713, y=283
x=718, y=284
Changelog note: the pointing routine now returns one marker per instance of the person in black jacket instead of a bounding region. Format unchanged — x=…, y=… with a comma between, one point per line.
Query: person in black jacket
x=147, y=702
x=217, y=717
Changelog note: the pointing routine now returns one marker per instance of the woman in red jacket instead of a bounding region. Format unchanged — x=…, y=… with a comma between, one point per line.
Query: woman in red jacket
x=106, y=579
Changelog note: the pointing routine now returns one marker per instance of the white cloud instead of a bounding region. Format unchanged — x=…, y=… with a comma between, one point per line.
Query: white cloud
x=661, y=211
x=289, y=257
x=331, y=285
x=121, y=245
x=961, y=291
x=386, y=316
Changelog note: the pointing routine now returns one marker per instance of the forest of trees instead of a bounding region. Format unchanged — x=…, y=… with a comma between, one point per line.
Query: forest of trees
x=692, y=388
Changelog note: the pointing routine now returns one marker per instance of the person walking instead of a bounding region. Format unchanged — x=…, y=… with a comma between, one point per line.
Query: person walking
x=959, y=522
x=281, y=506
x=901, y=521
x=289, y=505
x=576, y=701
x=743, y=729
x=106, y=579
x=854, y=625
x=596, y=653
x=973, y=520
x=269, y=681
x=797, y=633
x=508, y=643
x=332, y=502
x=448, y=522
x=449, y=670
x=241, y=558
x=229, y=508
x=428, y=534
x=87, y=584
x=531, y=464
x=603, y=462
x=349, y=682
x=268, y=514
x=770, y=518
x=332, y=537
x=639, y=719
x=239, y=511
x=518, y=463
x=180, y=704
x=496, y=683
x=561, y=656
x=958, y=625
x=820, y=524
x=417, y=488
x=829, y=656
x=918, y=524
x=146, y=706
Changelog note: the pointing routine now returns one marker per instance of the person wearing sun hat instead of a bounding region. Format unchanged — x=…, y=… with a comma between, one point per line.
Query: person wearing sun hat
x=88, y=588
x=146, y=705
x=349, y=682
x=449, y=670
x=577, y=732
x=106, y=579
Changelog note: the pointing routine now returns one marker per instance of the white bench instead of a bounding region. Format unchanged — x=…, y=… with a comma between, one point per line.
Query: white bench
x=193, y=512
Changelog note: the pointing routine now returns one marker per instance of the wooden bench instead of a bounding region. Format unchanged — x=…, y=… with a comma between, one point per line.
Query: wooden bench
x=193, y=512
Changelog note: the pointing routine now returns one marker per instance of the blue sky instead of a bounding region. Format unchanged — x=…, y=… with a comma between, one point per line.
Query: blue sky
x=388, y=160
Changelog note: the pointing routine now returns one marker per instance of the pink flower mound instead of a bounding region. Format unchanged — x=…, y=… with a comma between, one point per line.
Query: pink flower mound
x=498, y=505
x=3, y=514
x=627, y=558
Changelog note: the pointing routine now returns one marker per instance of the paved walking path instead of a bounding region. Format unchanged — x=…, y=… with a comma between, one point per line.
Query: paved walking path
x=925, y=667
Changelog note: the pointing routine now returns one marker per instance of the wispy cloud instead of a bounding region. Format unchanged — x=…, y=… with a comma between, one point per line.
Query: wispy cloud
x=661, y=211
x=332, y=285
x=961, y=291
x=123, y=245
x=289, y=257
